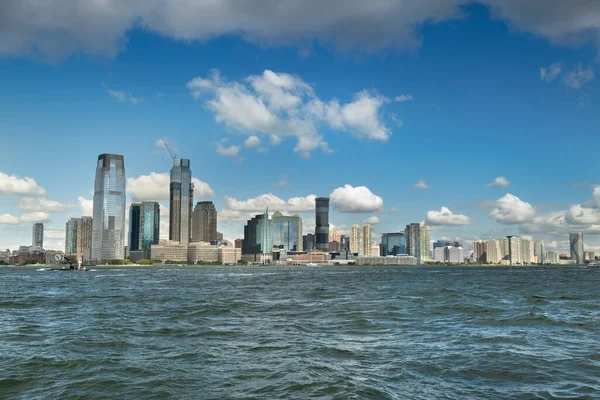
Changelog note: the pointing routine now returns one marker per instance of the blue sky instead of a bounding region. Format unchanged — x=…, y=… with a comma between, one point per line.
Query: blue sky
x=453, y=95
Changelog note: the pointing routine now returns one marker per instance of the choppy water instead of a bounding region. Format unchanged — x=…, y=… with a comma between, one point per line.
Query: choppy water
x=329, y=333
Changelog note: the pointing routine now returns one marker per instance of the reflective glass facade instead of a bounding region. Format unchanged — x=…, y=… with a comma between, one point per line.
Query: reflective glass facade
x=287, y=232
x=144, y=225
x=322, y=223
x=412, y=234
x=181, y=201
x=108, y=226
x=37, y=237
x=576, y=242
x=393, y=244
x=258, y=235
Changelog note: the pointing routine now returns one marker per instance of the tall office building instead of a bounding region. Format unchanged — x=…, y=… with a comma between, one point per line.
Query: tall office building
x=144, y=226
x=37, y=236
x=425, y=243
x=393, y=244
x=366, y=245
x=514, y=250
x=354, y=239
x=258, y=236
x=308, y=242
x=287, y=232
x=479, y=251
x=181, y=200
x=413, y=240
x=527, y=251
x=576, y=241
x=322, y=223
x=78, y=237
x=538, y=251
x=204, y=222
x=108, y=225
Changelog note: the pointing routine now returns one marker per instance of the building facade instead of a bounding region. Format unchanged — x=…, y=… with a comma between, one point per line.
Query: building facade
x=78, y=238
x=538, y=252
x=287, y=232
x=144, y=227
x=576, y=245
x=181, y=199
x=108, y=224
x=37, y=235
x=308, y=242
x=322, y=223
x=412, y=233
x=527, y=251
x=258, y=236
x=335, y=235
x=355, y=239
x=425, y=243
x=514, y=250
x=393, y=244
x=480, y=251
x=204, y=222
x=366, y=243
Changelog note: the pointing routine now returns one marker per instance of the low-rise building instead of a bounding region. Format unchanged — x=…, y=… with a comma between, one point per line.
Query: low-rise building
x=167, y=250
x=202, y=252
x=229, y=255
x=389, y=260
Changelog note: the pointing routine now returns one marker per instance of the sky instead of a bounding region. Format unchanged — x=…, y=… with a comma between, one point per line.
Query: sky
x=479, y=119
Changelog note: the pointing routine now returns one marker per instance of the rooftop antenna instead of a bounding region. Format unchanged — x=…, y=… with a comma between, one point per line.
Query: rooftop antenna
x=173, y=156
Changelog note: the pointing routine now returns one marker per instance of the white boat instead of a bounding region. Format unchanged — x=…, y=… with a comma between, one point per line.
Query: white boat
x=312, y=265
x=594, y=264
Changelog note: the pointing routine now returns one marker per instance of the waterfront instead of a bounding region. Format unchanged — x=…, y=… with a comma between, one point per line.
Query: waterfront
x=297, y=332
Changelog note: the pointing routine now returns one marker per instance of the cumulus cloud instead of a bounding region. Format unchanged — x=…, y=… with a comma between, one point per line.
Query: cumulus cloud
x=124, y=97
x=155, y=187
x=421, y=184
x=42, y=204
x=231, y=151
x=8, y=219
x=509, y=210
x=281, y=105
x=274, y=203
x=446, y=217
x=252, y=141
x=12, y=184
x=87, y=206
x=500, y=181
x=403, y=97
x=374, y=220
x=594, y=201
x=348, y=199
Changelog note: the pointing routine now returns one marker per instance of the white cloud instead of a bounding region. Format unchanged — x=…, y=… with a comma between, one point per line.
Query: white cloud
x=42, y=204
x=510, y=210
x=500, y=181
x=262, y=150
x=578, y=77
x=282, y=182
x=348, y=199
x=252, y=141
x=403, y=97
x=9, y=219
x=393, y=210
x=550, y=73
x=12, y=184
x=594, y=201
x=446, y=217
x=374, y=220
x=87, y=206
x=123, y=97
x=231, y=151
x=260, y=203
x=155, y=187
x=421, y=184
x=282, y=105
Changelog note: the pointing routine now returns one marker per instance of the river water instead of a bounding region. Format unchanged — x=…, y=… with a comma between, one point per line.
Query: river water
x=300, y=333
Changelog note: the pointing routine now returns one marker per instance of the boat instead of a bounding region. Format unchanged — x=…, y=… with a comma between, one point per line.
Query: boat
x=59, y=258
x=312, y=265
x=594, y=264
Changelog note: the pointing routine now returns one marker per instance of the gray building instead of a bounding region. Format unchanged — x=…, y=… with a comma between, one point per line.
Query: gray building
x=308, y=242
x=204, y=222
x=287, y=232
x=181, y=198
x=37, y=236
x=538, y=251
x=393, y=244
x=144, y=227
x=108, y=225
x=258, y=236
x=78, y=237
x=322, y=223
x=412, y=233
x=576, y=241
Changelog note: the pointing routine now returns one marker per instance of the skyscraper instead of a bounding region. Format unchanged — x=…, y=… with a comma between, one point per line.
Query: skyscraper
x=480, y=251
x=258, y=236
x=37, y=236
x=538, y=251
x=78, y=237
x=144, y=226
x=354, y=239
x=576, y=241
x=527, y=251
x=493, y=254
x=308, y=242
x=413, y=240
x=322, y=223
x=180, y=201
x=335, y=235
x=393, y=244
x=366, y=245
x=287, y=232
x=108, y=225
x=204, y=222
x=425, y=243
x=514, y=250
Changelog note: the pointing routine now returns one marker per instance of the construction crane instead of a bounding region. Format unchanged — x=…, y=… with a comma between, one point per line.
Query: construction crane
x=173, y=156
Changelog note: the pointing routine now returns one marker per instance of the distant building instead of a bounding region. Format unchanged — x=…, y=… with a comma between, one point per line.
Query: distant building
x=78, y=238
x=492, y=251
x=375, y=250
x=480, y=252
x=238, y=243
x=287, y=232
x=322, y=223
x=366, y=245
x=355, y=239
x=448, y=254
x=181, y=199
x=425, y=243
x=334, y=247
x=576, y=242
x=229, y=255
x=108, y=224
x=199, y=252
x=172, y=251
x=308, y=242
x=393, y=244
x=334, y=235
x=445, y=243
x=258, y=237
x=588, y=256
x=219, y=237
x=527, y=251
x=204, y=222
x=514, y=250
x=538, y=251
x=37, y=236
x=390, y=260
x=344, y=242
x=144, y=228
x=412, y=233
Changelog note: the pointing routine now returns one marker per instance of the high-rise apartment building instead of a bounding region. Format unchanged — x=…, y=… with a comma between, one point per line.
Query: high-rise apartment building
x=37, y=236
x=78, y=238
x=393, y=244
x=204, y=222
x=181, y=200
x=366, y=244
x=287, y=232
x=479, y=251
x=538, y=252
x=493, y=254
x=553, y=257
x=576, y=242
x=355, y=239
x=322, y=223
x=258, y=236
x=108, y=225
x=412, y=233
x=144, y=226
x=514, y=250
x=335, y=235
x=425, y=243
x=527, y=251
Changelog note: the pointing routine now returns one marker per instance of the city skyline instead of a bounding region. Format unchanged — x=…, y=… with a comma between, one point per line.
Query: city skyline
x=472, y=111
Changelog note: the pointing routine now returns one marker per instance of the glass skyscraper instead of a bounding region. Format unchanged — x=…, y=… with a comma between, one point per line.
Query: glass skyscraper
x=144, y=225
x=258, y=235
x=181, y=201
x=576, y=241
x=412, y=233
x=78, y=237
x=108, y=225
x=322, y=223
x=287, y=232
x=37, y=237
x=393, y=244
